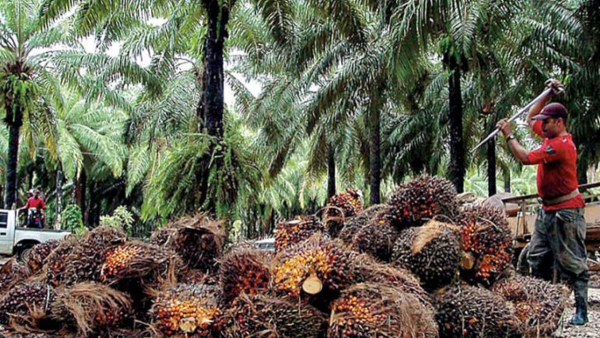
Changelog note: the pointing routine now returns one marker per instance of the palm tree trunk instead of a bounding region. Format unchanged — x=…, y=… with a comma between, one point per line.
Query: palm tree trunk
x=80, y=188
x=59, y=193
x=491, y=169
x=457, y=170
x=507, y=182
x=218, y=17
x=10, y=197
x=94, y=216
x=582, y=170
x=330, y=171
x=375, y=178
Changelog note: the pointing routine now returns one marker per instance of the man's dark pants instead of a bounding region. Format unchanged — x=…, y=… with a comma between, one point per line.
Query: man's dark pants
x=562, y=234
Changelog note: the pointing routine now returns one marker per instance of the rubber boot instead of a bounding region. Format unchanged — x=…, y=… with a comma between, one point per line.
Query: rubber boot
x=581, y=294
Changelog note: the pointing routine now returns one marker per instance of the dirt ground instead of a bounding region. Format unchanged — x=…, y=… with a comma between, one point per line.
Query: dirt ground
x=591, y=329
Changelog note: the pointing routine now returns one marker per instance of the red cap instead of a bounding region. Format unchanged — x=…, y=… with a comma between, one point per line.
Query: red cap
x=552, y=110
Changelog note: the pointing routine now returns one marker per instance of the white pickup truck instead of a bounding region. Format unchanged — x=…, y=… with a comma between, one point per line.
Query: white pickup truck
x=18, y=240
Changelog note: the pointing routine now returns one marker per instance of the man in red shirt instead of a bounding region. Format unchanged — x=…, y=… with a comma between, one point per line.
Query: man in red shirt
x=35, y=201
x=560, y=226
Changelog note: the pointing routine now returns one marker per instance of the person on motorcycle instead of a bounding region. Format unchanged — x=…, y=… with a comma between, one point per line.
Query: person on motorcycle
x=36, y=209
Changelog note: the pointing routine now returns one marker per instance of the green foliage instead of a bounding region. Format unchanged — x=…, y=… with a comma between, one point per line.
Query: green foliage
x=331, y=74
x=72, y=219
x=194, y=173
x=121, y=218
x=18, y=96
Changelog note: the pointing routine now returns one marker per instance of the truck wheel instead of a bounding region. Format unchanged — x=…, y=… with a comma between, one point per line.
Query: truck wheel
x=25, y=253
x=522, y=263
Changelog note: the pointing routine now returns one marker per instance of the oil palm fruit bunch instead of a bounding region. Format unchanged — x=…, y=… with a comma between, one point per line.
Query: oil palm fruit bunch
x=244, y=271
x=365, y=269
x=86, y=259
x=432, y=252
x=353, y=224
x=295, y=231
x=56, y=261
x=312, y=266
x=348, y=201
x=26, y=303
x=189, y=310
x=538, y=304
x=10, y=273
x=135, y=259
x=473, y=312
x=266, y=316
x=376, y=238
x=372, y=311
x=339, y=208
x=198, y=240
x=486, y=243
x=39, y=255
x=416, y=202
x=91, y=308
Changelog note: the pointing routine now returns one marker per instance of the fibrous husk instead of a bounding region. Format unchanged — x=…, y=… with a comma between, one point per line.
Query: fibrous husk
x=26, y=305
x=39, y=255
x=296, y=231
x=538, y=304
x=353, y=224
x=474, y=312
x=244, y=271
x=188, y=310
x=85, y=261
x=11, y=273
x=486, y=242
x=241, y=245
x=364, y=269
x=432, y=252
x=305, y=266
x=138, y=260
x=377, y=238
x=266, y=316
x=91, y=307
x=198, y=240
x=339, y=208
x=199, y=277
x=375, y=310
x=418, y=201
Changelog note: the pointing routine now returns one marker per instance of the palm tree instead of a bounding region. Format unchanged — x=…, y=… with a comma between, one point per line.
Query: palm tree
x=24, y=76
x=464, y=33
x=192, y=29
x=90, y=139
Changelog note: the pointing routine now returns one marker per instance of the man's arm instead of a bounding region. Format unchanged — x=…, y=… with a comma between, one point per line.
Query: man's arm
x=516, y=148
x=25, y=206
x=537, y=108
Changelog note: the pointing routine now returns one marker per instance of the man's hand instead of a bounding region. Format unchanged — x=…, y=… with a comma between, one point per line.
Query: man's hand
x=504, y=127
x=557, y=86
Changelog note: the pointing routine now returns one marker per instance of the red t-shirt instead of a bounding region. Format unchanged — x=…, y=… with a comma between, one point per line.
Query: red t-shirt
x=37, y=203
x=557, y=169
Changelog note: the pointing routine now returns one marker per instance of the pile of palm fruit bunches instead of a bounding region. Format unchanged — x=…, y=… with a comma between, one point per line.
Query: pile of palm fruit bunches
x=421, y=265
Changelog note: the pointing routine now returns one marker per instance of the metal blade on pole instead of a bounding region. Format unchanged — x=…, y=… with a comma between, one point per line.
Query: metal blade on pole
x=545, y=93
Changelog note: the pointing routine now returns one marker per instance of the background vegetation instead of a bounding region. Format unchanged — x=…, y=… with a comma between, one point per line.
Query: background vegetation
x=149, y=105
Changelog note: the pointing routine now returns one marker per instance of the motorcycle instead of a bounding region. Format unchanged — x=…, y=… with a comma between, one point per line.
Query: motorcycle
x=34, y=218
